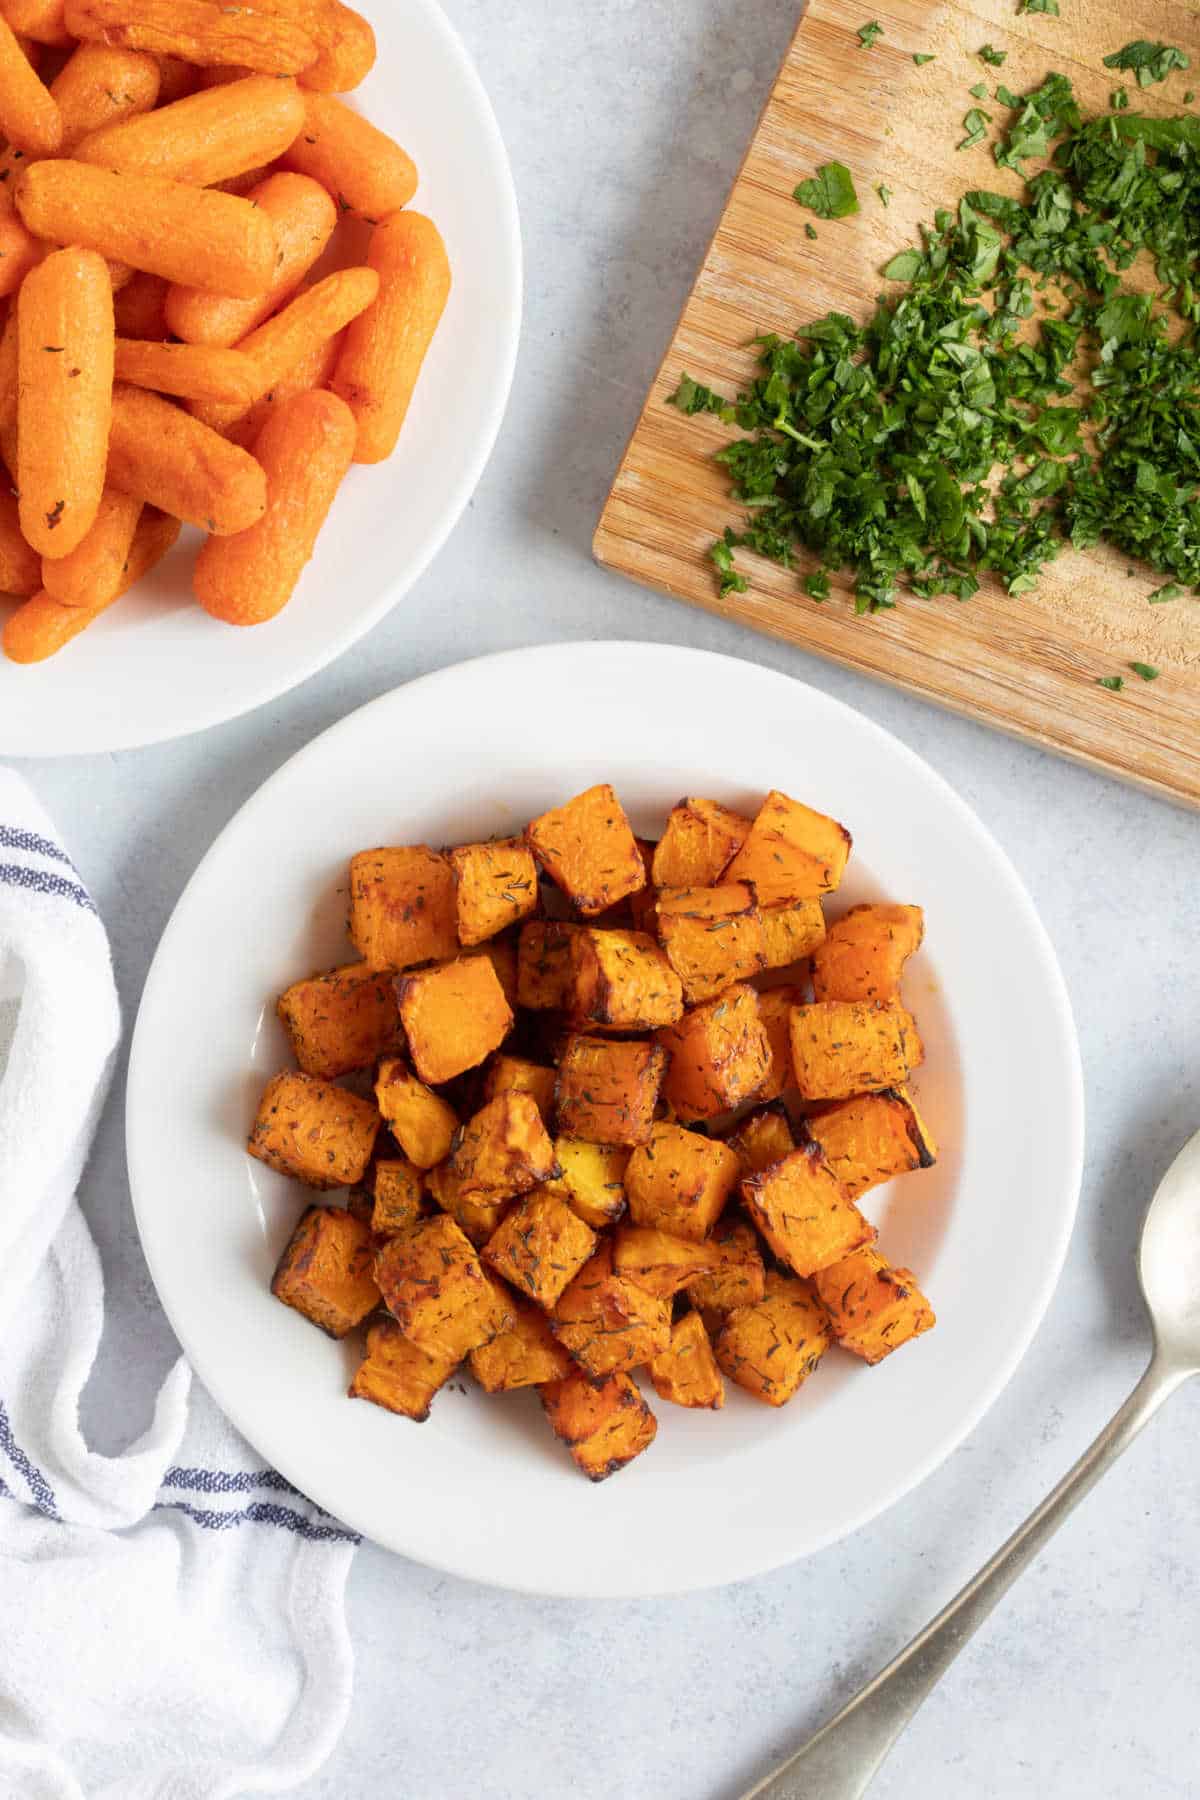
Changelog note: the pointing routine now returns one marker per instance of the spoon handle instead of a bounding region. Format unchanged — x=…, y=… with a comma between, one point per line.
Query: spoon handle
x=839, y=1762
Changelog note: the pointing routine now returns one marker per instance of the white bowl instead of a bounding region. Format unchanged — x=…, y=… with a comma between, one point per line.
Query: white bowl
x=156, y=666
x=482, y=1489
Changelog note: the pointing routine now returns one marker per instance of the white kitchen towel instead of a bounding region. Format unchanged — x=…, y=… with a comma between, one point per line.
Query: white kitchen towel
x=172, y=1620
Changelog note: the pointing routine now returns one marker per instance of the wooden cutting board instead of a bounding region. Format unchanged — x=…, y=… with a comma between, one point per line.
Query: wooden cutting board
x=1028, y=665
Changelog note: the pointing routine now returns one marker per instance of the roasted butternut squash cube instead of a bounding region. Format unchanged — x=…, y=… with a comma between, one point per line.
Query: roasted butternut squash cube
x=775, y=1017
x=503, y=1150
x=540, y=1247
x=737, y=1276
x=396, y=1374
x=864, y=953
x=607, y=1091
x=770, y=1348
x=791, y=933
x=422, y=1123
x=476, y=1215
x=622, y=979
x=496, y=885
x=607, y=1322
x=659, y=1261
x=434, y=1286
x=604, y=1424
x=544, y=964
x=871, y=1138
x=344, y=1020
x=679, y=1181
x=712, y=936
x=501, y=952
x=720, y=1055
x=872, y=1308
x=699, y=841
x=398, y=1187
x=592, y=1181
x=791, y=853
x=846, y=1047
x=313, y=1130
x=687, y=1372
x=803, y=1212
x=453, y=1015
x=402, y=906
x=588, y=849
x=517, y=1075
x=525, y=1355
x=327, y=1270
x=763, y=1138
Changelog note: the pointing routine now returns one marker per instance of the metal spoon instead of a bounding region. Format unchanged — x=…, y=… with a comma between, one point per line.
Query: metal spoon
x=839, y=1762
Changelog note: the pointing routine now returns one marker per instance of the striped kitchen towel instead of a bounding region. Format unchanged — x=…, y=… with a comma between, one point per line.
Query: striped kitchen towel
x=172, y=1620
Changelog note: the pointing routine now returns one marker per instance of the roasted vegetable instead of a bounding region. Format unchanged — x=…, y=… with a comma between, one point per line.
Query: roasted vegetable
x=422, y=1123
x=344, y=1020
x=496, y=885
x=453, y=1015
x=540, y=1247
x=434, y=1286
x=544, y=964
x=604, y=1423
x=803, y=1213
x=846, y=1047
x=502, y=1150
x=607, y=1091
x=588, y=849
x=398, y=1187
x=622, y=979
x=659, y=1261
x=402, y=906
x=871, y=1138
x=517, y=1075
x=396, y=1374
x=712, y=936
x=775, y=1017
x=791, y=853
x=700, y=839
x=686, y=1373
x=872, y=1308
x=607, y=1322
x=524, y=1355
x=737, y=1276
x=763, y=1138
x=592, y=1180
x=770, y=1348
x=679, y=1181
x=864, y=953
x=791, y=932
x=313, y=1130
x=327, y=1270
x=719, y=1055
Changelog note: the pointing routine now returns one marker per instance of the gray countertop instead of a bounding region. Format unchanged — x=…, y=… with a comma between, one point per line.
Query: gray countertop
x=625, y=120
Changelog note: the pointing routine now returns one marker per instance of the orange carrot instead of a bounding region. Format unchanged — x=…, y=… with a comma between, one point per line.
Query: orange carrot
x=385, y=346
x=8, y=394
x=303, y=217
x=200, y=31
x=365, y=170
x=29, y=117
x=347, y=46
x=95, y=87
x=93, y=573
x=20, y=564
x=19, y=249
x=308, y=320
x=168, y=228
x=208, y=137
x=312, y=371
x=43, y=625
x=140, y=307
x=159, y=452
x=41, y=20
x=194, y=371
x=64, y=396
x=175, y=78
x=305, y=447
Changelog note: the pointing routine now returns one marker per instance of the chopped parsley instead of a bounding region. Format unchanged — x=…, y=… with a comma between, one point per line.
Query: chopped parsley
x=1148, y=62
x=868, y=33
x=829, y=193
x=979, y=90
x=885, y=193
x=1049, y=7
x=922, y=57
x=1147, y=671
x=975, y=124
x=1114, y=683
x=810, y=230
x=989, y=54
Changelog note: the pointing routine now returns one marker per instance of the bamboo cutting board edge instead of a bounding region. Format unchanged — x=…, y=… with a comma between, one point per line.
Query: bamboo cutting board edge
x=999, y=663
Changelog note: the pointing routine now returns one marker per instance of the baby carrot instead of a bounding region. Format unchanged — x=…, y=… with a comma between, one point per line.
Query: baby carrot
x=303, y=217
x=41, y=20
x=312, y=371
x=43, y=625
x=205, y=138
x=29, y=116
x=159, y=452
x=194, y=371
x=20, y=564
x=200, y=31
x=305, y=447
x=139, y=309
x=312, y=317
x=365, y=170
x=385, y=346
x=19, y=249
x=346, y=43
x=64, y=396
x=95, y=87
x=168, y=228
x=8, y=393
x=92, y=574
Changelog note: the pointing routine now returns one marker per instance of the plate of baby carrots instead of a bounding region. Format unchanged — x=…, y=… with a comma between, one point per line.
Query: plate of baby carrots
x=257, y=266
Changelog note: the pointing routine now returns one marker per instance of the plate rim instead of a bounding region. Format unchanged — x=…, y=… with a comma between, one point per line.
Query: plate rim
x=483, y=440
x=1072, y=1124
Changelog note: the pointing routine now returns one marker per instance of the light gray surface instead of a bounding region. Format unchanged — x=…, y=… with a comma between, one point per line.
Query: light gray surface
x=625, y=120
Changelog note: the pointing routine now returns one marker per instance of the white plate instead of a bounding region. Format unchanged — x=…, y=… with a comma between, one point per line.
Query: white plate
x=156, y=666
x=482, y=1489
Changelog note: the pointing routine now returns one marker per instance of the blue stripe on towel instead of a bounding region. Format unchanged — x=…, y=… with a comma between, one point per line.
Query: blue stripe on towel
x=15, y=837
x=40, y=881
x=225, y=1481
x=262, y=1512
x=39, y=1487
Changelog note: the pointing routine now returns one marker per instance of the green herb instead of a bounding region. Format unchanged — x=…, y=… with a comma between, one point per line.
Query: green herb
x=921, y=59
x=693, y=397
x=885, y=193
x=1119, y=99
x=1147, y=671
x=1170, y=590
x=869, y=32
x=1149, y=62
x=722, y=556
x=1050, y=7
x=1006, y=97
x=979, y=90
x=829, y=193
x=1114, y=683
x=975, y=124
x=816, y=585
x=1189, y=96
x=989, y=54
x=810, y=231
